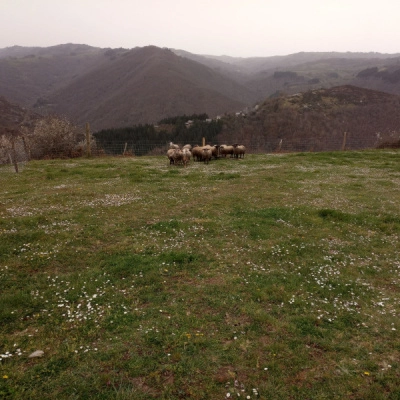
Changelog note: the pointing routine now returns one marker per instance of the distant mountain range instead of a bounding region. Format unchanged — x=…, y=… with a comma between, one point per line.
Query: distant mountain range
x=122, y=87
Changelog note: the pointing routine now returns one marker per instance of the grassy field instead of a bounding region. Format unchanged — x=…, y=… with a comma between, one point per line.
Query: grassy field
x=271, y=277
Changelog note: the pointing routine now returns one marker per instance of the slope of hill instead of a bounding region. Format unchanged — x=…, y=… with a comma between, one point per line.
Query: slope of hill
x=268, y=76
x=120, y=87
x=380, y=76
x=254, y=65
x=316, y=74
x=227, y=68
x=324, y=119
x=145, y=85
x=29, y=74
x=14, y=119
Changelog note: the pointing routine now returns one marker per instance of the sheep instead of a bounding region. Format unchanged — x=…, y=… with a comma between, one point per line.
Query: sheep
x=178, y=156
x=173, y=146
x=170, y=155
x=224, y=150
x=215, y=151
x=207, y=154
x=239, y=150
x=197, y=153
x=175, y=156
x=186, y=154
x=187, y=146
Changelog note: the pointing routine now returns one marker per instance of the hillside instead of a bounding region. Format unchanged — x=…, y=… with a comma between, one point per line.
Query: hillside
x=316, y=74
x=29, y=75
x=270, y=76
x=254, y=65
x=318, y=120
x=384, y=77
x=14, y=119
x=120, y=87
x=145, y=85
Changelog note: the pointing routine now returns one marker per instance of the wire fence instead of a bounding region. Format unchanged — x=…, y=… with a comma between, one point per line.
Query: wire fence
x=18, y=153
x=252, y=147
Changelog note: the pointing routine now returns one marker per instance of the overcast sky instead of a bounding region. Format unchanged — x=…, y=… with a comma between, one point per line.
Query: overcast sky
x=243, y=28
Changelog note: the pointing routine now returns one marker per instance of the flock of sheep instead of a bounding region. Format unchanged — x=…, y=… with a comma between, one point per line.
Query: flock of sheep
x=176, y=155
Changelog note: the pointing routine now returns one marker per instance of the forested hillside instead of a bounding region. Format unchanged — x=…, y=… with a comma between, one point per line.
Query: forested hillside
x=114, y=88
x=325, y=119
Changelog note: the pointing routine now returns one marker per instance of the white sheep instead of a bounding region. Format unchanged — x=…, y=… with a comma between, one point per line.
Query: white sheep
x=175, y=156
x=239, y=150
x=186, y=154
x=170, y=155
x=173, y=146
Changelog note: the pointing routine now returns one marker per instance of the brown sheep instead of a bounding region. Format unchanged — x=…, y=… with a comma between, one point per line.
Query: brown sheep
x=197, y=153
x=207, y=154
x=215, y=151
x=178, y=156
x=224, y=150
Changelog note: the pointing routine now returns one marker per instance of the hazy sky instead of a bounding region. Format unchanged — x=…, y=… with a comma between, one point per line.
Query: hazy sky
x=242, y=28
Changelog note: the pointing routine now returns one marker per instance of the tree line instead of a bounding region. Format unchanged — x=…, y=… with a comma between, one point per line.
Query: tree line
x=183, y=118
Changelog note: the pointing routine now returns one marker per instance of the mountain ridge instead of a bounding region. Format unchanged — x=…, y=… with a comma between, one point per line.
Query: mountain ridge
x=120, y=87
x=147, y=84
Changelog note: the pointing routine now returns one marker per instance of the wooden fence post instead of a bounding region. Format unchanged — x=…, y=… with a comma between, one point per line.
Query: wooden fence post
x=279, y=146
x=344, y=141
x=88, y=146
x=204, y=141
x=14, y=155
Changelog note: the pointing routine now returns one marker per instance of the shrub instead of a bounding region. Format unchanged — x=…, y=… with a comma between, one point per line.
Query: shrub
x=56, y=137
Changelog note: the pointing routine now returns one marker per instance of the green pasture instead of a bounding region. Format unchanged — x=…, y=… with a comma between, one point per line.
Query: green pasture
x=276, y=276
